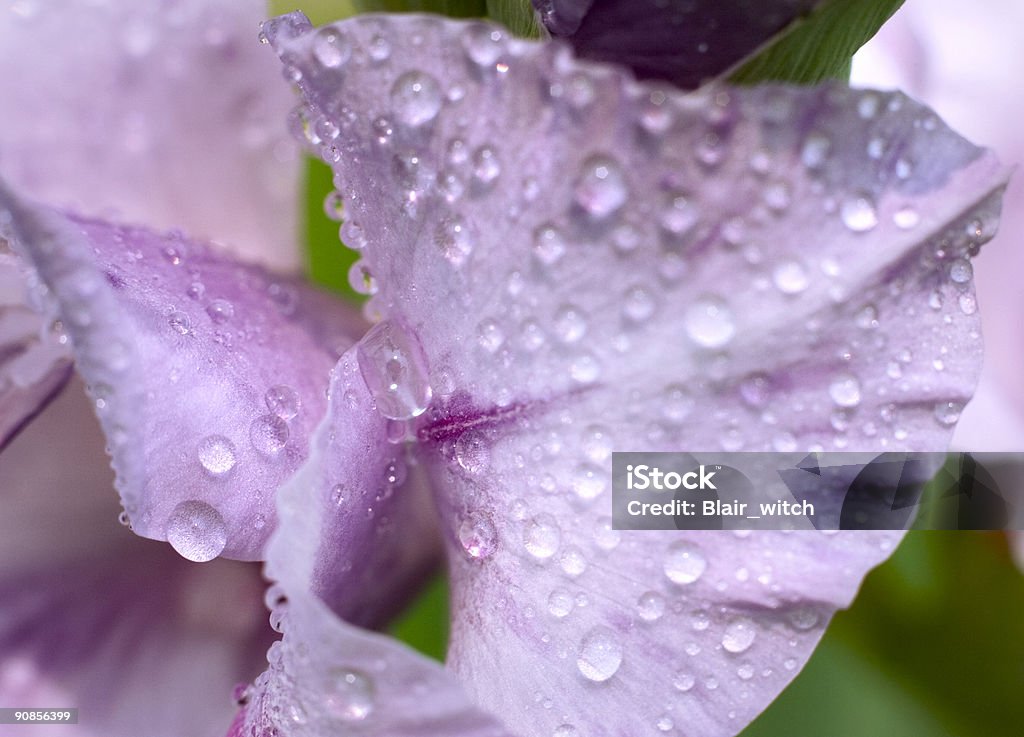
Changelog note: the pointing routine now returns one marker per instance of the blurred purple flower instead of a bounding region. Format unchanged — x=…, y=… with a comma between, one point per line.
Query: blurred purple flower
x=560, y=261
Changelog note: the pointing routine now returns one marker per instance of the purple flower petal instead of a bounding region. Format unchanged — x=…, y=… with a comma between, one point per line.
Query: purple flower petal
x=680, y=41
x=98, y=619
x=34, y=362
x=570, y=262
x=208, y=375
x=327, y=677
x=162, y=113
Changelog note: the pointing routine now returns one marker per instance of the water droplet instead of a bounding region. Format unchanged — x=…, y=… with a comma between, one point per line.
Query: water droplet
x=677, y=403
x=968, y=304
x=220, y=311
x=948, y=413
x=283, y=401
x=416, y=98
x=600, y=655
x=804, y=618
x=606, y=536
x=588, y=482
x=472, y=452
x=339, y=494
x=745, y=671
x=858, y=213
x=268, y=434
x=180, y=323
x=650, y=606
x=709, y=322
x=196, y=531
x=790, y=277
x=906, y=218
x=664, y=723
x=453, y=239
x=565, y=730
x=638, y=304
x=570, y=324
x=350, y=695
x=489, y=335
x=542, y=536
x=679, y=216
x=684, y=563
x=815, y=150
x=601, y=187
x=394, y=368
x=483, y=44
x=548, y=244
x=683, y=681
x=217, y=454
x=755, y=390
x=585, y=369
x=380, y=48
x=961, y=271
x=478, y=536
x=486, y=167
x=331, y=48
x=845, y=390
x=739, y=635
x=573, y=562
x=560, y=603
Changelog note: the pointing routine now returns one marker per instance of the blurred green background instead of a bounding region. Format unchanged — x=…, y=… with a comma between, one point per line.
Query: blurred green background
x=934, y=643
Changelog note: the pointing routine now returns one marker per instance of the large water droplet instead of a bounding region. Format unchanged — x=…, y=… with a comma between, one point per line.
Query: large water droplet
x=196, y=531
x=845, y=390
x=600, y=655
x=601, y=187
x=217, y=454
x=478, y=536
x=709, y=322
x=542, y=536
x=684, y=563
x=739, y=635
x=268, y=434
x=283, y=401
x=394, y=368
x=416, y=98
x=331, y=48
x=858, y=213
x=350, y=696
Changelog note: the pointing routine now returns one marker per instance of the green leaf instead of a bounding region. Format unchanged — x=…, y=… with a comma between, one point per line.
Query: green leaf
x=817, y=47
x=516, y=15
x=327, y=261
x=318, y=11
x=933, y=645
x=424, y=625
x=452, y=8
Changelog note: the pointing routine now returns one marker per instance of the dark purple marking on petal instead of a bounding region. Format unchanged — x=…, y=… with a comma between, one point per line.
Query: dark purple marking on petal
x=679, y=41
x=208, y=375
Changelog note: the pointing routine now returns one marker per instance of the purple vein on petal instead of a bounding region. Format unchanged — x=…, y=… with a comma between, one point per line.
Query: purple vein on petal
x=738, y=269
x=208, y=375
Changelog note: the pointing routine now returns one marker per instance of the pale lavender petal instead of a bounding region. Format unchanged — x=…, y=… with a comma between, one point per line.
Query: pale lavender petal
x=208, y=375
x=168, y=114
x=625, y=267
x=35, y=361
x=96, y=618
x=327, y=677
x=679, y=41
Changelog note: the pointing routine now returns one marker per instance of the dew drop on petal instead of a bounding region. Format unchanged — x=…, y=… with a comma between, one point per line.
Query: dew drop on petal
x=180, y=323
x=803, y=618
x=683, y=681
x=858, y=213
x=560, y=603
x=472, y=452
x=739, y=635
x=684, y=563
x=548, y=244
x=601, y=188
x=483, y=44
x=790, y=277
x=331, y=49
x=283, y=401
x=350, y=696
x=542, y=536
x=961, y=271
x=709, y=322
x=478, y=536
x=268, y=434
x=948, y=413
x=217, y=454
x=394, y=368
x=600, y=655
x=416, y=98
x=845, y=390
x=196, y=531
x=220, y=311
x=906, y=218
x=650, y=606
